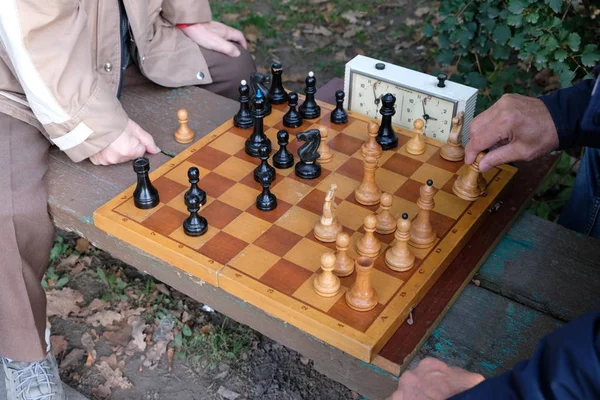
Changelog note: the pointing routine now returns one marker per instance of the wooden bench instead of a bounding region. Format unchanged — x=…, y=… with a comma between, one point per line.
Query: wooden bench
x=536, y=278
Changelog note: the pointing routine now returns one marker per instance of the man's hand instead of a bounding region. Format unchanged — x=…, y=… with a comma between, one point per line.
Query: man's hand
x=434, y=380
x=134, y=142
x=521, y=126
x=217, y=37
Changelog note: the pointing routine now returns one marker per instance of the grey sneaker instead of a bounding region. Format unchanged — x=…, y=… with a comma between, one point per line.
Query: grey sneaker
x=33, y=381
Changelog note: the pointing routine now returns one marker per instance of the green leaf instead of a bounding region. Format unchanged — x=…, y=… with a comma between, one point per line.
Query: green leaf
x=464, y=37
x=558, y=67
x=516, y=42
x=476, y=80
x=555, y=5
x=186, y=331
x=501, y=52
x=62, y=282
x=560, y=55
x=532, y=17
x=443, y=41
x=428, y=30
x=550, y=42
x=493, y=12
x=515, y=20
x=565, y=78
x=501, y=34
x=45, y=284
x=445, y=57
x=516, y=6
x=590, y=55
x=574, y=40
x=102, y=275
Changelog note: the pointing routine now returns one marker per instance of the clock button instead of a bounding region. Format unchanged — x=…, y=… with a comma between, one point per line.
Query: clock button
x=380, y=66
x=441, y=80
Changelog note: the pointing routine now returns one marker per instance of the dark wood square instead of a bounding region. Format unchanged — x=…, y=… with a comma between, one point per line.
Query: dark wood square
x=310, y=182
x=410, y=190
x=215, y=185
x=352, y=199
x=223, y=247
x=219, y=214
x=165, y=221
x=277, y=240
x=441, y=223
x=403, y=276
x=345, y=144
x=270, y=216
x=285, y=277
x=245, y=133
x=326, y=122
x=244, y=156
x=168, y=189
x=353, y=168
x=313, y=201
x=402, y=165
x=359, y=320
x=402, y=139
x=448, y=186
x=438, y=161
x=208, y=158
x=292, y=131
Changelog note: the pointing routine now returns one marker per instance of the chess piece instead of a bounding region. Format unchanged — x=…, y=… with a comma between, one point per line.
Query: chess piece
x=416, y=145
x=326, y=284
x=283, y=159
x=328, y=227
x=422, y=234
x=308, y=167
x=400, y=257
x=145, y=195
x=183, y=134
x=277, y=94
x=292, y=119
x=339, y=115
x=452, y=150
x=260, y=84
x=325, y=154
x=194, y=178
x=310, y=109
x=386, y=137
x=369, y=245
x=368, y=193
x=386, y=223
x=258, y=137
x=264, y=167
x=344, y=265
x=469, y=186
x=266, y=201
x=371, y=147
x=243, y=118
x=194, y=225
x=361, y=296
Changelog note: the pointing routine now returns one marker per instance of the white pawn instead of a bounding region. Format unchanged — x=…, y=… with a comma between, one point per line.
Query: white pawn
x=399, y=257
x=326, y=284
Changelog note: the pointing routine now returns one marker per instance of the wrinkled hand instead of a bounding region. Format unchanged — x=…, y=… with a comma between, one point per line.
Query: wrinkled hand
x=521, y=127
x=217, y=36
x=434, y=380
x=134, y=142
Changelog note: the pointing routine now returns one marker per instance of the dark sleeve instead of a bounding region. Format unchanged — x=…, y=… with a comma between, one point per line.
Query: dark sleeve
x=566, y=365
x=569, y=108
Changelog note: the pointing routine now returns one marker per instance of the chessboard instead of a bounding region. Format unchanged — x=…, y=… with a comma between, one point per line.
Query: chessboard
x=271, y=258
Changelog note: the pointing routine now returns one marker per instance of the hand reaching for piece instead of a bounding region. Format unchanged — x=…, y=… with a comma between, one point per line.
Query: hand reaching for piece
x=134, y=142
x=217, y=37
x=521, y=127
x=434, y=380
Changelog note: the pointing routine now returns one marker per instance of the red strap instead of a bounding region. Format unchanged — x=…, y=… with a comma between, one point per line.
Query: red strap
x=181, y=26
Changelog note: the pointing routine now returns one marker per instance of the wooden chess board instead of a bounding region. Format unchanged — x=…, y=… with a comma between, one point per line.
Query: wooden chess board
x=269, y=259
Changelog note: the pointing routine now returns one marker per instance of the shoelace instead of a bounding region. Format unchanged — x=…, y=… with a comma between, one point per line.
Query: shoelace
x=28, y=375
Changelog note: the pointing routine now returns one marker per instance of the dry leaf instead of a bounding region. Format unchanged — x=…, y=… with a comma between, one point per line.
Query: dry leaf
x=314, y=2
x=72, y=358
x=110, y=360
x=205, y=329
x=63, y=302
x=88, y=343
x=59, y=345
x=67, y=263
x=83, y=245
x=341, y=56
x=360, y=51
x=227, y=394
x=138, y=326
x=321, y=30
x=119, y=337
x=353, y=16
x=230, y=17
x=154, y=354
x=185, y=317
x=419, y=12
x=97, y=305
x=410, y=22
x=77, y=268
x=170, y=354
x=104, y=318
x=163, y=289
x=114, y=379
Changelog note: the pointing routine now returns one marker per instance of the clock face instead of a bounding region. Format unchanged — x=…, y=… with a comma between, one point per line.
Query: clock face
x=410, y=104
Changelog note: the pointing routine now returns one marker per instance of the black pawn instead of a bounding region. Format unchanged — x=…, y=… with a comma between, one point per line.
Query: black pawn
x=339, y=115
x=194, y=225
x=264, y=168
x=292, y=119
x=258, y=137
x=283, y=158
x=310, y=109
x=386, y=137
x=145, y=196
x=243, y=118
x=277, y=94
x=266, y=201
x=194, y=178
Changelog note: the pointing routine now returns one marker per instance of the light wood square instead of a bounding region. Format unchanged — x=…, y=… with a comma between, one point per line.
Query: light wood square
x=449, y=204
x=247, y=227
x=351, y=215
x=401, y=206
x=179, y=173
x=307, y=254
x=429, y=150
x=307, y=294
x=240, y=196
x=229, y=143
x=272, y=135
x=389, y=181
x=178, y=203
x=235, y=169
x=290, y=191
x=358, y=129
x=488, y=175
x=428, y=171
x=298, y=220
x=129, y=210
x=274, y=118
x=336, y=162
x=345, y=185
x=193, y=242
x=384, y=285
x=254, y=261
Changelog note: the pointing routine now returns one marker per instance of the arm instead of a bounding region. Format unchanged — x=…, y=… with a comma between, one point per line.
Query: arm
x=186, y=11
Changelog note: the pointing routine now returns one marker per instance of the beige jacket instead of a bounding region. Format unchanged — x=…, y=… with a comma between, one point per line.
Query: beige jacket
x=60, y=63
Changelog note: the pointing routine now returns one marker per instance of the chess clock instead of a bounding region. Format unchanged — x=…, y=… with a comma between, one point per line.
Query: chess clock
x=433, y=99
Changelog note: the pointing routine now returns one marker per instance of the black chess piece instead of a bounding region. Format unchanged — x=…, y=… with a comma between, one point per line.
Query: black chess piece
x=145, y=196
x=339, y=115
x=283, y=159
x=194, y=225
x=277, y=94
x=386, y=136
x=260, y=83
x=308, y=167
x=292, y=119
x=264, y=167
x=258, y=137
x=266, y=201
x=194, y=178
x=243, y=119
x=310, y=109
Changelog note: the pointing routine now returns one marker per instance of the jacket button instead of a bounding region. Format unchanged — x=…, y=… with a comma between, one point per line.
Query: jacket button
x=200, y=75
x=596, y=118
x=108, y=67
